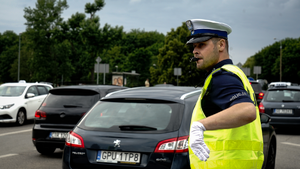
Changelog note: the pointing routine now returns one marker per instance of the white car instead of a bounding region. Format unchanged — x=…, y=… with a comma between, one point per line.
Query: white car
x=273, y=84
x=19, y=101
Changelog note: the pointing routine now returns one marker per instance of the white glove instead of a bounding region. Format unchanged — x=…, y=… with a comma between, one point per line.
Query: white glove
x=196, y=141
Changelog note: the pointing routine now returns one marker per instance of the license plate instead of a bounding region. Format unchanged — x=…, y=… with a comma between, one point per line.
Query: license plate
x=118, y=157
x=283, y=111
x=60, y=135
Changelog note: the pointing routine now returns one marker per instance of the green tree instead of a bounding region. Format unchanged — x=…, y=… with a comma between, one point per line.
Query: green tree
x=91, y=35
x=42, y=24
x=139, y=61
x=269, y=59
x=136, y=50
x=71, y=31
x=175, y=54
x=9, y=49
x=26, y=54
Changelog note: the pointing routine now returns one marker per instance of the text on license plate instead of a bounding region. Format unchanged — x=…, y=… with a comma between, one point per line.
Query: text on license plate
x=118, y=157
x=58, y=135
x=283, y=111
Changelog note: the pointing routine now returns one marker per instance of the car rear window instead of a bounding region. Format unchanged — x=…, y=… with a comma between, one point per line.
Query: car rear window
x=256, y=86
x=283, y=95
x=131, y=117
x=69, y=101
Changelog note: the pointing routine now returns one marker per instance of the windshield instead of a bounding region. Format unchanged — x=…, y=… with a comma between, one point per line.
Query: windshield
x=125, y=116
x=11, y=91
x=283, y=95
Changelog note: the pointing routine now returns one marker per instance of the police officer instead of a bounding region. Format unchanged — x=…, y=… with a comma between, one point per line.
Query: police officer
x=225, y=128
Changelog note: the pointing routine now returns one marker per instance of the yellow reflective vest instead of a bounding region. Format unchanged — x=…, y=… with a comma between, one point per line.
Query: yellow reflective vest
x=235, y=148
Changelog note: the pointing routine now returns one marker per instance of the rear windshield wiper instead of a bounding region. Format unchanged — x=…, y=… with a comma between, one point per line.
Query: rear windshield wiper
x=287, y=100
x=71, y=105
x=136, y=127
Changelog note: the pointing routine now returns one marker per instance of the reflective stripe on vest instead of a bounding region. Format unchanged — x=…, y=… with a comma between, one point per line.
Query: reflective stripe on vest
x=235, y=148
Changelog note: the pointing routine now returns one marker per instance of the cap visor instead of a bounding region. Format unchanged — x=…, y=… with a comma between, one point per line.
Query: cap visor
x=198, y=39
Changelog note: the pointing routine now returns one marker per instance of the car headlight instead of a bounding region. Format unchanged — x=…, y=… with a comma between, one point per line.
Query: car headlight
x=6, y=106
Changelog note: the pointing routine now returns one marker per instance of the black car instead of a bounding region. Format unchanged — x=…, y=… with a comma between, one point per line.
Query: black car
x=61, y=110
x=259, y=93
x=144, y=127
x=282, y=103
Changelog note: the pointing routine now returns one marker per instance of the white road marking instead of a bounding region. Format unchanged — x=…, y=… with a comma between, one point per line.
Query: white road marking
x=292, y=144
x=16, y=132
x=8, y=155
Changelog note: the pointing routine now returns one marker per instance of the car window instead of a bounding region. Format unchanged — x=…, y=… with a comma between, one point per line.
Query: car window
x=11, y=91
x=109, y=116
x=70, y=101
x=42, y=90
x=280, y=95
x=48, y=88
x=33, y=90
x=256, y=86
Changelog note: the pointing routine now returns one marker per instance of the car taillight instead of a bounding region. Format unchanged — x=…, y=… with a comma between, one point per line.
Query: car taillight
x=261, y=95
x=41, y=115
x=74, y=140
x=261, y=108
x=177, y=145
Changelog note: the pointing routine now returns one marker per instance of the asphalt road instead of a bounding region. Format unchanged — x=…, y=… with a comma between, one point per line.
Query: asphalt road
x=17, y=150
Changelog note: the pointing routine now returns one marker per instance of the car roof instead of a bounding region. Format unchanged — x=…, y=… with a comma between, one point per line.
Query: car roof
x=96, y=88
x=174, y=94
x=285, y=87
x=254, y=82
x=163, y=85
x=23, y=84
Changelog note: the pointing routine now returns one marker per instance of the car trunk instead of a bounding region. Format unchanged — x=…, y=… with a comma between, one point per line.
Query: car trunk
x=282, y=109
x=65, y=107
x=58, y=116
x=139, y=148
x=140, y=132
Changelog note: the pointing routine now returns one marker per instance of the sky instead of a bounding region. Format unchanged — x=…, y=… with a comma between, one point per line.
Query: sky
x=255, y=23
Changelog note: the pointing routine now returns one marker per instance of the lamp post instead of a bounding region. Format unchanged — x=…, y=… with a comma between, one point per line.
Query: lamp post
x=280, y=60
x=19, y=56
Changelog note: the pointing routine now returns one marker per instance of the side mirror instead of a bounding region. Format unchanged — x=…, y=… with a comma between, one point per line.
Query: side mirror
x=264, y=118
x=30, y=95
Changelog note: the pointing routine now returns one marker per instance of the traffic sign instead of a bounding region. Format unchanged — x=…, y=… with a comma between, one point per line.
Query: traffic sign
x=257, y=70
x=177, y=71
x=246, y=70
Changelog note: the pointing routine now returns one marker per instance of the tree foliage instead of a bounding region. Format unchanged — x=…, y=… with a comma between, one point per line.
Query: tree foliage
x=42, y=25
x=9, y=47
x=269, y=60
x=176, y=54
x=65, y=52
x=136, y=50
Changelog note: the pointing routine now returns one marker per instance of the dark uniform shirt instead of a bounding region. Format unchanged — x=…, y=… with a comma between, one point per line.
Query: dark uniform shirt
x=225, y=90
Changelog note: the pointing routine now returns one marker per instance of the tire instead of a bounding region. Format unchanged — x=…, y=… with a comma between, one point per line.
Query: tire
x=21, y=117
x=271, y=156
x=45, y=150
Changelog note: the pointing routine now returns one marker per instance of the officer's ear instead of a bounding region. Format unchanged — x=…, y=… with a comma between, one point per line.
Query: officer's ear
x=221, y=45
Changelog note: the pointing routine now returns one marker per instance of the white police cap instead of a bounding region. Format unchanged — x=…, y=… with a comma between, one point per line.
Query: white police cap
x=203, y=30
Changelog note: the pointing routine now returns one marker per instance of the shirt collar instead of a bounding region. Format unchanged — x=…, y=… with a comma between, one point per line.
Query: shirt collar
x=220, y=64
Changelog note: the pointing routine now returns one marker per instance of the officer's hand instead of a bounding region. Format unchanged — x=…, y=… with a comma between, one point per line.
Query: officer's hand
x=196, y=141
